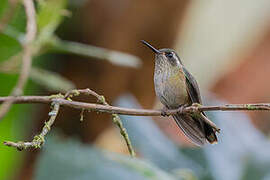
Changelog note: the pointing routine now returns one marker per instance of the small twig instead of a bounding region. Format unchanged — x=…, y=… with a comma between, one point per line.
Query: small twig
x=123, y=132
x=115, y=117
x=31, y=29
x=38, y=140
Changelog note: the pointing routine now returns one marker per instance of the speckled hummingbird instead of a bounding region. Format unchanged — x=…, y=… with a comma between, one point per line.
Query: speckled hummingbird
x=176, y=88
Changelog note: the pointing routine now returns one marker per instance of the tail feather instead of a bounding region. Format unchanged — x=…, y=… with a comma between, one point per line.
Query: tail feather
x=196, y=129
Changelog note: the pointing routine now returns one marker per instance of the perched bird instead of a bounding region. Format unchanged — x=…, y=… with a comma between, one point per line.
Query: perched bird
x=175, y=88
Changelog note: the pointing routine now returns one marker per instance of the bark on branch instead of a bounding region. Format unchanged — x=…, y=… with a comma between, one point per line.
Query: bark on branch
x=129, y=111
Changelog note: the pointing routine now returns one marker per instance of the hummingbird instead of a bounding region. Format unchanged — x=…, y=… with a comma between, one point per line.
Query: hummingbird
x=177, y=88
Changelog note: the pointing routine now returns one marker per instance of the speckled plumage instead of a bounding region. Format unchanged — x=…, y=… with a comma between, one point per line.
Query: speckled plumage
x=175, y=87
x=169, y=84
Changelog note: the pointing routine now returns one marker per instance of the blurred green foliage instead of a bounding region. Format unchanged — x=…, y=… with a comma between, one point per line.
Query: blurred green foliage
x=13, y=126
x=9, y=46
x=3, y=6
x=50, y=15
x=16, y=123
x=17, y=24
x=244, y=157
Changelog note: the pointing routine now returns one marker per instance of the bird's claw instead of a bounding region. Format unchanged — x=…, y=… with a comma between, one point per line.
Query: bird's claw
x=196, y=104
x=180, y=109
x=165, y=112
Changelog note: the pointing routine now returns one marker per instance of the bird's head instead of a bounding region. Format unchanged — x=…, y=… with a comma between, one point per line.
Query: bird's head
x=165, y=55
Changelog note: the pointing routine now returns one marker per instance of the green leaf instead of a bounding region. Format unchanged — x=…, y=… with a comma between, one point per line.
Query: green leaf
x=18, y=21
x=3, y=6
x=13, y=126
x=8, y=47
x=50, y=15
x=51, y=80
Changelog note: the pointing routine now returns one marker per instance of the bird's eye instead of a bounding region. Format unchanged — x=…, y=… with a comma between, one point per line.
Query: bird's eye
x=169, y=55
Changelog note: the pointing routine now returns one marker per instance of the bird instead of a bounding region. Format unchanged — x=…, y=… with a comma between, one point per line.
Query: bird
x=177, y=88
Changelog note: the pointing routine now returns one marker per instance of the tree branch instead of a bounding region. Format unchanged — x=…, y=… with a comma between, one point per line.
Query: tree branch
x=31, y=29
x=65, y=100
x=129, y=111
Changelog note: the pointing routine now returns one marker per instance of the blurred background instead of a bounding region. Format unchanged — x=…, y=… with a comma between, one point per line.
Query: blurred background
x=96, y=44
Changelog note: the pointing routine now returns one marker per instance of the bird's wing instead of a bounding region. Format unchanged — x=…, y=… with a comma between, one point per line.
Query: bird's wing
x=195, y=96
x=192, y=87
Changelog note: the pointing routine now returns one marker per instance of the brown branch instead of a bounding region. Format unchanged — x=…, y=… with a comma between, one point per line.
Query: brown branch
x=81, y=105
x=65, y=100
x=31, y=29
x=129, y=111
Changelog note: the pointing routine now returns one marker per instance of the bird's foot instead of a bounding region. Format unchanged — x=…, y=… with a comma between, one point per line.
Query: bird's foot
x=196, y=104
x=165, y=112
x=181, y=108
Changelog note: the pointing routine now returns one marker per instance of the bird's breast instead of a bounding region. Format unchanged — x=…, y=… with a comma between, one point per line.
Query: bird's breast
x=170, y=87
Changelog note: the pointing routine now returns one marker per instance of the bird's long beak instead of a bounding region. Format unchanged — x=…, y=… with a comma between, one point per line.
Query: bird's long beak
x=150, y=46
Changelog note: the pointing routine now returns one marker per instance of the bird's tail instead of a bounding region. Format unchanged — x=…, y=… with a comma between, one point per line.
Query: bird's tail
x=197, y=127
